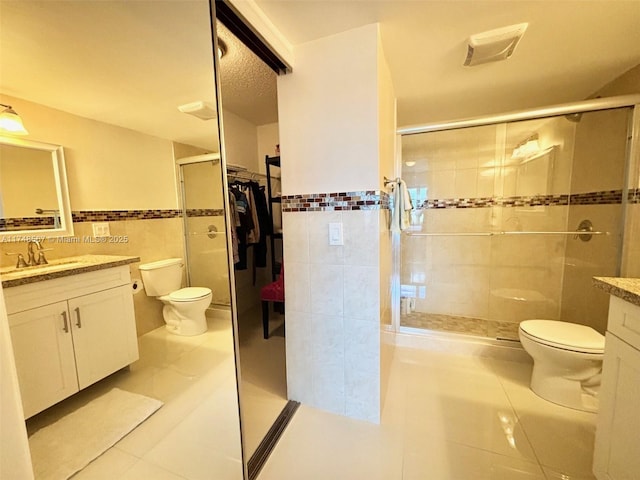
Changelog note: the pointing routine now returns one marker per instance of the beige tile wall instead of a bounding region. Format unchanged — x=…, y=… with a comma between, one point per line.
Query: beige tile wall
x=333, y=312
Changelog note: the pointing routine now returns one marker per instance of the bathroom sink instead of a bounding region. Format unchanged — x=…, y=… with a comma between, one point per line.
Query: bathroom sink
x=61, y=267
x=11, y=273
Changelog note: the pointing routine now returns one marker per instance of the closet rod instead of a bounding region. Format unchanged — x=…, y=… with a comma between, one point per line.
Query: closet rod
x=246, y=175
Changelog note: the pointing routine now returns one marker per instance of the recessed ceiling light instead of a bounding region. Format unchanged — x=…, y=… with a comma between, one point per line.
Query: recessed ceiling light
x=410, y=163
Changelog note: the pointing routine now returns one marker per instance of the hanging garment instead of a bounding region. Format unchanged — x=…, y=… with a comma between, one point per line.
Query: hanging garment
x=253, y=236
x=245, y=225
x=235, y=219
x=264, y=220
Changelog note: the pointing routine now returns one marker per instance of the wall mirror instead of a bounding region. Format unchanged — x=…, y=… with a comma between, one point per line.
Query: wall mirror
x=111, y=98
x=34, y=198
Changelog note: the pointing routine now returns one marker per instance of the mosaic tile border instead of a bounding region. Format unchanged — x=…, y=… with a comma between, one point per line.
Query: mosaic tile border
x=605, y=197
x=484, y=202
x=336, y=201
x=17, y=223
x=317, y=202
x=122, y=215
x=205, y=212
x=81, y=216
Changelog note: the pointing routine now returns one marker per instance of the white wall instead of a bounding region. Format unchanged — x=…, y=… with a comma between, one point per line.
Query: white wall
x=108, y=167
x=268, y=138
x=241, y=141
x=328, y=113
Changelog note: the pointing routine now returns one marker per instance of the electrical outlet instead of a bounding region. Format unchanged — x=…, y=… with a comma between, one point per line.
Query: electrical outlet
x=101, y=229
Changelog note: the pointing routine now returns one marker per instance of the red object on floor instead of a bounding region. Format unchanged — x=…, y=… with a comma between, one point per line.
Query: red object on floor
x=274, y=292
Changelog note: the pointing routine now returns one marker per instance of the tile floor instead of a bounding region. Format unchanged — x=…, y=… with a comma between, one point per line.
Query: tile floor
x=195, y=435
x=445, y=417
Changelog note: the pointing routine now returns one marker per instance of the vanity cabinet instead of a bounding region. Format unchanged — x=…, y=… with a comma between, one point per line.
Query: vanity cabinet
x=617, y=447
x=70, y=332
x=45, y=360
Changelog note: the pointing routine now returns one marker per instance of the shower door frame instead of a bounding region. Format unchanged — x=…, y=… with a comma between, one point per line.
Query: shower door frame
x=632, y=153
x=214, y=158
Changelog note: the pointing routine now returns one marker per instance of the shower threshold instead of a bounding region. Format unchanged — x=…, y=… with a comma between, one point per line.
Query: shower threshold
x=460, y=325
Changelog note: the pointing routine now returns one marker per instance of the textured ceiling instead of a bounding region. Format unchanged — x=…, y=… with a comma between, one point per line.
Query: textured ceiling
x=248, y=85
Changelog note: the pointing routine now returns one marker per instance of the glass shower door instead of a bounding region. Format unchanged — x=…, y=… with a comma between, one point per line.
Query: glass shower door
x=491, y=241
x=204, y=224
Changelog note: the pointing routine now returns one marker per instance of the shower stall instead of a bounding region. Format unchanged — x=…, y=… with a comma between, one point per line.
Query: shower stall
x=513, y=216
x=204, y=226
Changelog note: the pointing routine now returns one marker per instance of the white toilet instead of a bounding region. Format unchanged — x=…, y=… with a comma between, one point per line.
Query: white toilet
x=184, y=308
x=567, y=362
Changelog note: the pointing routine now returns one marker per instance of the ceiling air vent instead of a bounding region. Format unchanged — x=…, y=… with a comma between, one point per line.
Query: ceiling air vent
x=200, y=109
x=494, y=45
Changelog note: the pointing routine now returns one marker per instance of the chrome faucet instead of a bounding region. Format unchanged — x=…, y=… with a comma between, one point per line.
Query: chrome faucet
x=32, y=247
x=31, y=260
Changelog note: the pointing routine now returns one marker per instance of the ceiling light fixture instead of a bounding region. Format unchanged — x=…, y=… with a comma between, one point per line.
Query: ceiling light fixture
x=10, y=121
x=410, y=163
x=494, y=45
x=200, y=109
x=527, y=148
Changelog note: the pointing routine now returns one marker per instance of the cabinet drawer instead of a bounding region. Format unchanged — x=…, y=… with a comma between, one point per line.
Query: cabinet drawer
x=624, y=321
x=33, y=295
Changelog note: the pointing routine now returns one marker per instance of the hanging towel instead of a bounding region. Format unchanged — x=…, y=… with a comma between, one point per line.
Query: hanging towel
x=402, y=207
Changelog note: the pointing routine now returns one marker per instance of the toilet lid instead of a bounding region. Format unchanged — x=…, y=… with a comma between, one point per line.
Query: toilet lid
x=569, y=336
x=188, y=294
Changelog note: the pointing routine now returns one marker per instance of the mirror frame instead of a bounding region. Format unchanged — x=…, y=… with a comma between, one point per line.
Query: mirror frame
x=62, y=192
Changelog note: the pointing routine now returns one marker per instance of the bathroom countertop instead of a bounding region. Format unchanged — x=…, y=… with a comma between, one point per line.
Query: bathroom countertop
x=61, y=267
x=626, y=288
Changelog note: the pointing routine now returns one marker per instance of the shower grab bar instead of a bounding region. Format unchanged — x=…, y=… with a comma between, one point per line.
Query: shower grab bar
x=490, y=234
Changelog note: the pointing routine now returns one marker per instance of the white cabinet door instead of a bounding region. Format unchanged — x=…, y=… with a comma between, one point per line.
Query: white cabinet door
x=104, y=333
x=43, y=349
x=617, y=448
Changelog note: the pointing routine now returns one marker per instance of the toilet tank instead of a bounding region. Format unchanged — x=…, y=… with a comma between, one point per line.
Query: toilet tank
x=162, y=277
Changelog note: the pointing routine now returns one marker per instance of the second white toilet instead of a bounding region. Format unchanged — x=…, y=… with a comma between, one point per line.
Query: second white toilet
x=184, y=308
x=567, y=362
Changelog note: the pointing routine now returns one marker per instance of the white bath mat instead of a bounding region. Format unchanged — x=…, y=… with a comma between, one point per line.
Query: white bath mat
x=70, y=444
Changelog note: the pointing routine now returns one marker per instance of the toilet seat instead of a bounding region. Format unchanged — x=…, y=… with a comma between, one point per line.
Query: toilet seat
x=189, y=294
x=563, y=335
